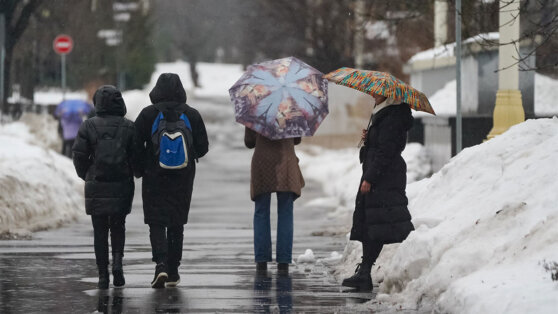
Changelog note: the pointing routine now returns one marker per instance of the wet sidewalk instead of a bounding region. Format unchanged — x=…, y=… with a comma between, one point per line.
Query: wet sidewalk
x=55, y=271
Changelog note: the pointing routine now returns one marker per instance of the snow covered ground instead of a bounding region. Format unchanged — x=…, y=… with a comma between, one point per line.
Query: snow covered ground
x=485, y=239
x=38, y=187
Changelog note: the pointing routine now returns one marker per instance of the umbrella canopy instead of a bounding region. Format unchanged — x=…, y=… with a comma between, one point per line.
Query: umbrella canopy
x=72, y=107
x=282, y=98
x=381, y=83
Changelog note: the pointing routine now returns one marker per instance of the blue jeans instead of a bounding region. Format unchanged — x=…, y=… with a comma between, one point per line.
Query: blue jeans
x=262, y=228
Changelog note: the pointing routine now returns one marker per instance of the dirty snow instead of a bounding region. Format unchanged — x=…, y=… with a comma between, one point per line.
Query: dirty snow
x=306, y=258
x=486, y=223
x=485, y=230
x=38, y=187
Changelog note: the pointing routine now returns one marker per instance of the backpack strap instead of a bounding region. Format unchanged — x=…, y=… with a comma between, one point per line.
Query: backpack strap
x=184, y=118
x=155, y=125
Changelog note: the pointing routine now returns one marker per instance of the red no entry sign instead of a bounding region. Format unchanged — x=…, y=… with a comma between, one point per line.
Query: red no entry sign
x=62, y=44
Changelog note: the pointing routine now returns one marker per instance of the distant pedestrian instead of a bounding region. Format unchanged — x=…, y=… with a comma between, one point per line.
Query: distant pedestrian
x=104, y=157
x=274, y=170
x=171, y=136
x=70, y=114
x=381, y=215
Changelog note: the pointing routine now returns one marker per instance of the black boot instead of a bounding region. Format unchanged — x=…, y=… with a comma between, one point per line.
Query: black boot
x=283, y=269
x=160, y=276
x=362, y=280
x=117, y=270
x=104, y=279
x=261, y=267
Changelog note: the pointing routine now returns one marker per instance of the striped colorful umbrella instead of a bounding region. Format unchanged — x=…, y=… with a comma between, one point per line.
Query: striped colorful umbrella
x=381, y=83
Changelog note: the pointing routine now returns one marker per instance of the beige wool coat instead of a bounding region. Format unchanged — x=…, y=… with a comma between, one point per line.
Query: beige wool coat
x=274, y=165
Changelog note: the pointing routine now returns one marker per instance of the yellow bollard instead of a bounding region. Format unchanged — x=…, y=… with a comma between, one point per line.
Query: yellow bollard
x=508, y=111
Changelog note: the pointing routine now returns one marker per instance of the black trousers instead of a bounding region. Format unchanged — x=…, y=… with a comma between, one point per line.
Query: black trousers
x=67, y=147
x=101, y=227
x=370, y=252
x=166, y=244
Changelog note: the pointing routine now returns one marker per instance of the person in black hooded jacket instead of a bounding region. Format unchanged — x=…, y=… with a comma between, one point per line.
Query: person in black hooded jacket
x=103, y=156
x=167, y=193
x=381, y=215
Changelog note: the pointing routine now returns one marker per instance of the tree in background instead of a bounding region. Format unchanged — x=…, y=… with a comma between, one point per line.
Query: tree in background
x=196, y=30
x=102, y=48
x=139, y=57
x=17, y=15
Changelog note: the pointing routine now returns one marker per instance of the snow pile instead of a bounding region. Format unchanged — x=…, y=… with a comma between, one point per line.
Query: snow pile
x=44, y=130
x=38, y=187
x=546, y=98
x=485, y=230
x=333, y=259
x=546, y=95
x=308, y=257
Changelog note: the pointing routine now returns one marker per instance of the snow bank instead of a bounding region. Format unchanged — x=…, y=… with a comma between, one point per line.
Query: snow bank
x=38, y=187
x=485, y=229
x=44, y=130
x=546, y=95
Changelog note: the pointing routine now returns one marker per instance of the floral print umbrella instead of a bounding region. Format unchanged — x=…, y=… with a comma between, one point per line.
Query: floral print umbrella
x=381, y=83
x=282, y=98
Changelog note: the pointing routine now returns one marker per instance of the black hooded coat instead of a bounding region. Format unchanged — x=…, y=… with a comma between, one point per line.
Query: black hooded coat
x=107, y=192
x=381, y=215
x=167, y=193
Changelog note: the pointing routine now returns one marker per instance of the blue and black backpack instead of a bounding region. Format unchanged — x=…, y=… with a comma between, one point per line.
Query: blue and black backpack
x=172, y=141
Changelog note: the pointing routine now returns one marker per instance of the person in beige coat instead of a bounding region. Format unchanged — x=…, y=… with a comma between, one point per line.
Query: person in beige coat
x=274, y=170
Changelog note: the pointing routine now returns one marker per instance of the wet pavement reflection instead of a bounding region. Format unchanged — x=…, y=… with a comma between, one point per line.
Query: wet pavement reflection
x=55, y=271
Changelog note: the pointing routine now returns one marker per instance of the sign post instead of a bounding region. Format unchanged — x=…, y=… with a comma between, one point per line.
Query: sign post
x=63, y=45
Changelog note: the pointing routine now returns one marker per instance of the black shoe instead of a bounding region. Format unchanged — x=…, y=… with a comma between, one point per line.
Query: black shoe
x=117, y=270
x=283, y=269
x=361, y=280
x=104, y=279
x=261, y=267
x=160, y=276
x=174, y=278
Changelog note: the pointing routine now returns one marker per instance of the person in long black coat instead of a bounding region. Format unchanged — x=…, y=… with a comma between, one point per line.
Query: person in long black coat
x=381, y=215
x=103, y=156
x=167, y=193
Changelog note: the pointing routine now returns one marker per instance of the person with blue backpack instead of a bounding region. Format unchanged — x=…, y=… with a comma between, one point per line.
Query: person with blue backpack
x=171, y=136
x=104, y=156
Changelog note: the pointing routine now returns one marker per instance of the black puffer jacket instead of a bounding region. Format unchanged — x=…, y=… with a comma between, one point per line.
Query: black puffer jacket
x=107, y=168
x=167, y=193
x=382, y=215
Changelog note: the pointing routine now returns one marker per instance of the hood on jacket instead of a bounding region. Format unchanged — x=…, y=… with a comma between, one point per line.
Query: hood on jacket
x=401, y=111
x=168, y=89
x=108, y=101
x=405, y=115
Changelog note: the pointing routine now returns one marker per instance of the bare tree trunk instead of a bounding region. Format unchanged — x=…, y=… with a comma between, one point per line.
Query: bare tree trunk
x=193, y=60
